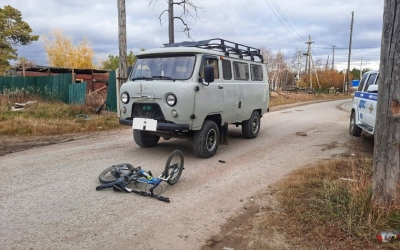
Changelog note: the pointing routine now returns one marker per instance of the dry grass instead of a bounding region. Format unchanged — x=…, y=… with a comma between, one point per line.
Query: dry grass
x=289, y=98
x=51, y=117
x=329, y=206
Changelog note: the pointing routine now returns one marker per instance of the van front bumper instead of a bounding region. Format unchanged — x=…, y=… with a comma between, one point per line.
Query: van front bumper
x=160, y=125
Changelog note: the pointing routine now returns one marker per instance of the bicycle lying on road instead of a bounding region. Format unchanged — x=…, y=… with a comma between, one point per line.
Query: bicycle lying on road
x=120, y=175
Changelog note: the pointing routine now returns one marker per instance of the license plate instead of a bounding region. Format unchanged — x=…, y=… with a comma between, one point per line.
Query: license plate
x=144, y=124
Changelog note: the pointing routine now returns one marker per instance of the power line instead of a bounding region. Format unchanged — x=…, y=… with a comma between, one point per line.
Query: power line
x=282, y=22
x=284, y=17
x=348, y=48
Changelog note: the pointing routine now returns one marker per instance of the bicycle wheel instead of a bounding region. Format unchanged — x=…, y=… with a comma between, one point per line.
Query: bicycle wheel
x=112, y=173
x=174, y=167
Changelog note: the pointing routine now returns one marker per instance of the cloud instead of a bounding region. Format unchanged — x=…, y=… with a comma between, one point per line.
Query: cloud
x=276, y=25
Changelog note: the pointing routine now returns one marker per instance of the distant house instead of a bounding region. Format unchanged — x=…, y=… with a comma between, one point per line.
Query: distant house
x=95, y=78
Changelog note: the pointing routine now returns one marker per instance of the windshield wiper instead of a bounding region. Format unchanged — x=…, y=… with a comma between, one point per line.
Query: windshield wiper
x=164, y=78
x=142, y=78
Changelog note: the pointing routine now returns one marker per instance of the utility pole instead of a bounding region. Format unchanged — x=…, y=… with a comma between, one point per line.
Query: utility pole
x=122, y=39
x=361, y=69
x=305, y=69
x=333, y=56
x=171, y=21
x=386, y=172
x=327, y=63
x=308, y=58
x=348, y=63
x=298, y=68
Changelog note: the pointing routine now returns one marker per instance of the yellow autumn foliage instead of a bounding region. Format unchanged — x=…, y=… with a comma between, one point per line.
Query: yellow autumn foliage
x=61, y=52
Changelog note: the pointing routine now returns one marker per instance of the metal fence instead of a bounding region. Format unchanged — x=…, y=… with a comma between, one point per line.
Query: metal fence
x=77, y=93
x=111, y=101
x=48, y=87
x=58, y=87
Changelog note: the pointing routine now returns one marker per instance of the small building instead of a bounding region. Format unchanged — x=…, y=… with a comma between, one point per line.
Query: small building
x=95, y=78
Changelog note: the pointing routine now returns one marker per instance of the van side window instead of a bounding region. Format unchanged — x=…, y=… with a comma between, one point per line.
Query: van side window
x=213, y=62
x=256, y=72
x=370, y=81
x=362, y=83
x=226, y=69
x=241, y=71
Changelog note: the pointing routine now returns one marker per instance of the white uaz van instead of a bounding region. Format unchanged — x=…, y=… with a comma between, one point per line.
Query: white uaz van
x=194, y=90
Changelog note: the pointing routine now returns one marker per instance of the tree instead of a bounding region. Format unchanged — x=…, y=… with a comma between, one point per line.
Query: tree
x=386, y=175
x=327, y=78
x=279, y=72
x=13, y=31
x=112, y=63
x=356, y=72
x=24, y=63
x=62, y=53
x=189, y=10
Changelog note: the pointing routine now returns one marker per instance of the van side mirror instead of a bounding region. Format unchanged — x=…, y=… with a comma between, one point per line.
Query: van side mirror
x=208, y=73
x=372, y=89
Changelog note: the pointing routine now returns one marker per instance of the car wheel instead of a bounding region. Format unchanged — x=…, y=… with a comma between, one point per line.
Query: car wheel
x=144, y=139
x=206, y=140
x=354, y=130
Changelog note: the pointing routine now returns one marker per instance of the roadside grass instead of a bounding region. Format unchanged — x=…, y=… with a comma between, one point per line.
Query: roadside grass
x=47, y=117
x=289, y=98
x=329, y=206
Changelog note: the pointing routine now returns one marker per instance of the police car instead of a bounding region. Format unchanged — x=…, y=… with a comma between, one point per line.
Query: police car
x=363, y=112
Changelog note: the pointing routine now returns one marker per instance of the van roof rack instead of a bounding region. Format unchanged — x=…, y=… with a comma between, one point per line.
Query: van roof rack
x=225, y=46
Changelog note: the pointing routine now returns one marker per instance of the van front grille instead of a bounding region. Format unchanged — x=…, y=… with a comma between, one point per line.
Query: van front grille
x=147, y=110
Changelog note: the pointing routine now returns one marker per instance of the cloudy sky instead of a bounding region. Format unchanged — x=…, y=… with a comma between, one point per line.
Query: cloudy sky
x=278, y=25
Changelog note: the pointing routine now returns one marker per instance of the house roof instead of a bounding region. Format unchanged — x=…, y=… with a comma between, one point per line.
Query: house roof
x=59, y=70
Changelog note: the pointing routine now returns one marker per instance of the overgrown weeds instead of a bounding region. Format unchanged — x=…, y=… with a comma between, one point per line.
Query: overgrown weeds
x=47, y=117
x=330, y=206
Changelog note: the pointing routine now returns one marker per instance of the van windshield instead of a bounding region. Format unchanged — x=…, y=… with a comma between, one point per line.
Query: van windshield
x=164, y=68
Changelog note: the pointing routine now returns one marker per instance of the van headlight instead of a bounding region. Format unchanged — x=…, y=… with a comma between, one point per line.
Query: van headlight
x=171, y=100
x=125, y=97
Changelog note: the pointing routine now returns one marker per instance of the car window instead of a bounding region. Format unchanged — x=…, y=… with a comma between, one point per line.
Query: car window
x=362, y=83
x=226, y=69
x=241, y=71
x=377, y=80
x=256, y=72
x=370, y=81
x=166, y=67
x=213, y=62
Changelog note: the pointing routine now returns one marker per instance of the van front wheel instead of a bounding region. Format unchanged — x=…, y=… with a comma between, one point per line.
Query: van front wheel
x=206, y=140
x=144, y=139
x=251, y=127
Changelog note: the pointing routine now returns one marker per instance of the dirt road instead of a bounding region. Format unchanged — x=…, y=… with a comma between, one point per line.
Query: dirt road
x=48, y=198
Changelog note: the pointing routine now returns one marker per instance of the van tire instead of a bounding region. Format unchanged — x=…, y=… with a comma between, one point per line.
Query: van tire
x=144, y=139
x=354, y=130
x=251, y=127
x=206, y=140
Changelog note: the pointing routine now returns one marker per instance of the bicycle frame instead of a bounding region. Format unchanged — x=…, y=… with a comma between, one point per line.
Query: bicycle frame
x=137, y=175
x=120, y=175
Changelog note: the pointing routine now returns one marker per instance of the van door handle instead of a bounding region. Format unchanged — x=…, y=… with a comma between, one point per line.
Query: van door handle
x=220, y=87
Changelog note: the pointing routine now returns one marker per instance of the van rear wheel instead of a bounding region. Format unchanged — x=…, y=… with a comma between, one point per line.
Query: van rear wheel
x=251, y=127
x=206, y=140
x=144, y=139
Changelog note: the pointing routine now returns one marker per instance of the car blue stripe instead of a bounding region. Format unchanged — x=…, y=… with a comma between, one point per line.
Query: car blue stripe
x=366, y=95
